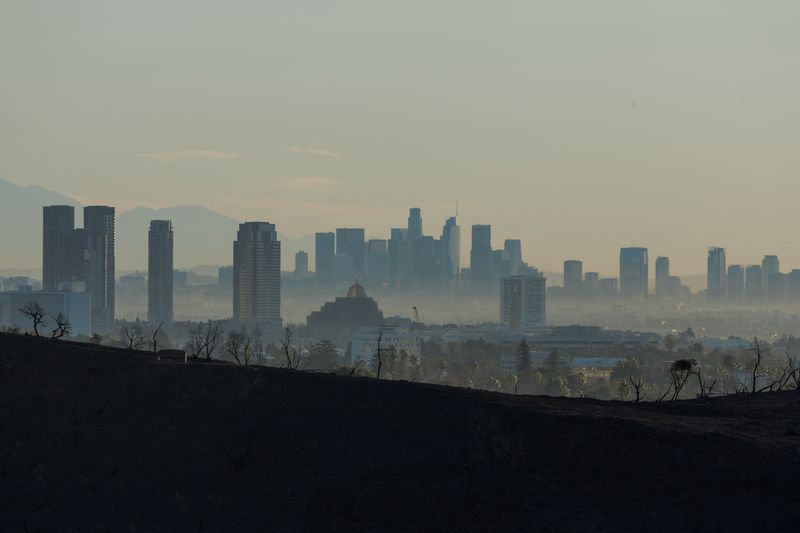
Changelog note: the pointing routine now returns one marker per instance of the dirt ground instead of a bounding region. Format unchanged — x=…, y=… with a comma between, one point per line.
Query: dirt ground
x=100, y=439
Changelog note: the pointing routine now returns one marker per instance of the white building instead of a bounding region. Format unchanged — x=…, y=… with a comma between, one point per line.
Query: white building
x=364, y=343
x=76, y=306
x=522, y=303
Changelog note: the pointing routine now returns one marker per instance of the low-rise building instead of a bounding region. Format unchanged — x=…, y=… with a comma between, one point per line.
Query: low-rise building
x=364, y=343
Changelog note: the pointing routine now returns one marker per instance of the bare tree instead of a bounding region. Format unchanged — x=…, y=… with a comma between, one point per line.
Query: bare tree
x=154, y=338
x=706, y=388
x=378, y=354
x=756, y=348
x=239, y=345
x=205, y=338
x=293, y=357
x=133, y=335
x=63, y=327
x=36, y=314
x=636, y=383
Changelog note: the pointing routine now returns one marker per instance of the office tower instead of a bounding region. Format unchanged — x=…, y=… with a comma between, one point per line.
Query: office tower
x=675, y=289
x=425, y=260
x=777, y=288
x=58, y=222
x=225, y=277
x=401, y=258
x=257, y=275
x=715, y=273
x=573, y=278
x=753, y=283
x=378, y=266
x=736, y=283
x=300, y=264
x=769, y=266
x=513, y=254
x=350, y=241
x=793, y=286
x=662, y=275
x=414, y=224
x=591, y=283
x=480, y=257
x=99, y=222
x=523, y=303
x=159, y=272
x=450, y=250
x=633, y=272
x=607, y=288
x=324, y=250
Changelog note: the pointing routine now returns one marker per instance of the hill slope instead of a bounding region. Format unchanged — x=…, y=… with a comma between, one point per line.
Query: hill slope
x=93, y=438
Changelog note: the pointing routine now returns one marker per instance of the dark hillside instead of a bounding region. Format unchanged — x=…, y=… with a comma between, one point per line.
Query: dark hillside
x=95, y=439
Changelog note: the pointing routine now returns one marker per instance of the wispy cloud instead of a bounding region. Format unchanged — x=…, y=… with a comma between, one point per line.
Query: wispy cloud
x=306, y=184
x=174, y=155
x=320, y=152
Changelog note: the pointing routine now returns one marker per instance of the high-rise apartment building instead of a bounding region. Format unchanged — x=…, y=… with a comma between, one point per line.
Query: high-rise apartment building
x=99, y=221
x=716, y=271
x=480, y=257
x=58, y=223
x=160, y=245
x=324, y=251
x=662, y=276
x=523, y=303
x=573, y=278
x=257, y=275
x=633, y=273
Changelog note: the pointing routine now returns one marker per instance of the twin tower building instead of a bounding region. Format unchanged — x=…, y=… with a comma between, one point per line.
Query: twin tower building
x=83, y=260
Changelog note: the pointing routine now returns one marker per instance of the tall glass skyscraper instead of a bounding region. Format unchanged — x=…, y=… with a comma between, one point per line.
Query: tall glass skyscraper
x=160, y=242
x=633, y=273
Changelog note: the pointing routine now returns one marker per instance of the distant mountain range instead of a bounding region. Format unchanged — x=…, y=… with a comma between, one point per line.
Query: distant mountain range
x=202, y=236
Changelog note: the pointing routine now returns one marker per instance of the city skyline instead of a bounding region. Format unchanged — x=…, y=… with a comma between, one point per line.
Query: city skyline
x=551, y=116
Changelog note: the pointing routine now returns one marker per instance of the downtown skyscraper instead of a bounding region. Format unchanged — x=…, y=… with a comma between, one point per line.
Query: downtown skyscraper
x=633, y=273
x=716, y=273
x=257, y=276
x=160, y=245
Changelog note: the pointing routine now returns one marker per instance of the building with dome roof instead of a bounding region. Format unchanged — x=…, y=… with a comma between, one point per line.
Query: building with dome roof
x=341, y=317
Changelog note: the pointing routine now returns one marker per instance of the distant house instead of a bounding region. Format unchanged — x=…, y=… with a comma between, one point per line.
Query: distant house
x=345, y=314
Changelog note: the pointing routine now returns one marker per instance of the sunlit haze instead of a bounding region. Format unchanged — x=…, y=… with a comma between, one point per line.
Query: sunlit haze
x=578, y=127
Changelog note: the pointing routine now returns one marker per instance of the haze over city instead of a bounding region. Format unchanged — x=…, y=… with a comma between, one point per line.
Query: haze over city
x=351, y=265
x=578, y=127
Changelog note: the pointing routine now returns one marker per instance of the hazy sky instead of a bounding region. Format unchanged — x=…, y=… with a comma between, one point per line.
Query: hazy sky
x=579, y=127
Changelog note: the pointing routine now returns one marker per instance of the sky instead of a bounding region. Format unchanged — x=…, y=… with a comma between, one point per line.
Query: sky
x=576, y=126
